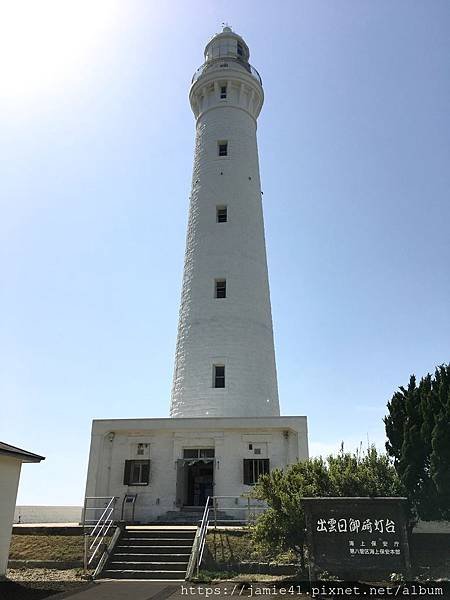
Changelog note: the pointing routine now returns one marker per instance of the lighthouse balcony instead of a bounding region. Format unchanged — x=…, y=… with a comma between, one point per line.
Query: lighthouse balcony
x=224, y=63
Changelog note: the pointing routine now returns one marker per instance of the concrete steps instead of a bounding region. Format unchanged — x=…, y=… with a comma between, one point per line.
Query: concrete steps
x=154, y=542
x=134, y=574
x=150, y=554
x=185, y=516
x=190, y=516
x=151, y=557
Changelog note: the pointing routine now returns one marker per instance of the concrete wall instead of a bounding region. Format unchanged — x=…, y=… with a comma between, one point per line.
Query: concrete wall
x=9, y=482
x=47, y=514
x=282, y=439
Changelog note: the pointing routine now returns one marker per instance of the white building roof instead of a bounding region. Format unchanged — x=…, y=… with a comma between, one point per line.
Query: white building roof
x=23, y=455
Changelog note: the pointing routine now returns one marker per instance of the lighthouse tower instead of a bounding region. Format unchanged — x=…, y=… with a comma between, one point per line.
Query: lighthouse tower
x=225, y=359
x=228, y=430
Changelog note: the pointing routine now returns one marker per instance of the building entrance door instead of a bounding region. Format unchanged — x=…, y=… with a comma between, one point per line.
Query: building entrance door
x=200, y=480
x=195, y=476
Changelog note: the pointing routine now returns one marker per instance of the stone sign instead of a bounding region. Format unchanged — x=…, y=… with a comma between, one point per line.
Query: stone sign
x=357, y=537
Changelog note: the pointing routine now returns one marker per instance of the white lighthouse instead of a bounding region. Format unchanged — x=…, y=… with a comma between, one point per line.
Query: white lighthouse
x=228, y=429
x=225, y=359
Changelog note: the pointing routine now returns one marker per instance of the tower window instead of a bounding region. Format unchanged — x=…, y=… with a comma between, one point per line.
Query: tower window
x=221, y=288
x=223, y=148
x=219, y=376
x=223, y=92
x=221, y=214
x=240, y=49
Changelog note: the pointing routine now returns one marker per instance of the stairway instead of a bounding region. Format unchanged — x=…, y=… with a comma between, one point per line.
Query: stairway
x=188, y=515
x=192, y=515
x=149, y=553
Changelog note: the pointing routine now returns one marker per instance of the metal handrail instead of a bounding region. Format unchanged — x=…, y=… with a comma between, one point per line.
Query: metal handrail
x=107, y=553
x=199, y=542
x=107, y=510
x=100, y=527
x=212, y=504
x=202, y=534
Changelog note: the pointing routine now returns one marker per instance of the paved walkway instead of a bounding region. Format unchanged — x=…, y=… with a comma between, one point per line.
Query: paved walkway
x=127, y=590
x=26, y=525
x=158, y=527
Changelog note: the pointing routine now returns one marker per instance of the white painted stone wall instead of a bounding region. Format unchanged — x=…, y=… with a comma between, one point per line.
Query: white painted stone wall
x=9, y=482
x=283, y=440
x=235, y=331
x=47, y=514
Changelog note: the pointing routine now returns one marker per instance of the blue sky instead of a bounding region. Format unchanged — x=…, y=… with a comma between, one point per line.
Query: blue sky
x=95, y=170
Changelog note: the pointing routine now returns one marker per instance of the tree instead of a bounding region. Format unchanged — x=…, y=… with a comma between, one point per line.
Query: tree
x=440, y=446
x=418, y=432
x=395, y=420
x=282, y=526
x=440, y=456
x=410, y=466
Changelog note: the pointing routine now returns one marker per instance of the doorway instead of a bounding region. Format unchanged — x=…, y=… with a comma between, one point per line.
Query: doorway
x=195, y=477
x=200, y=479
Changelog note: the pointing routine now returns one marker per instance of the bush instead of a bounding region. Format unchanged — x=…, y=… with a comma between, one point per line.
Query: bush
x=282, y=526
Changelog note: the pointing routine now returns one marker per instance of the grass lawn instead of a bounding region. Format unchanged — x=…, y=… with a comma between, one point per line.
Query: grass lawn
x=47, y=547
x=234, y=547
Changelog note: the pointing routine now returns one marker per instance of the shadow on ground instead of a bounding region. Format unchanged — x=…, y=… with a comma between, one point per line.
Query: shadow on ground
x=37, y=590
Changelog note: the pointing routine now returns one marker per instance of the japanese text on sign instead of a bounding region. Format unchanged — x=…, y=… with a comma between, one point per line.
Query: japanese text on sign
x=350, y=525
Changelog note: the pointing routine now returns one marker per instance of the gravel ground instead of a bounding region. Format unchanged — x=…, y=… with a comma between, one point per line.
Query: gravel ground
x=44, y=574
x=37, y=584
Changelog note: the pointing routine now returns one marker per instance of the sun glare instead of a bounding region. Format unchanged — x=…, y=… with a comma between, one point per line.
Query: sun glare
x=44, y=43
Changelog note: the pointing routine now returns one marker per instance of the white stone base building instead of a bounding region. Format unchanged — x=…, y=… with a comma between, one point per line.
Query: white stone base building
x=175, y=463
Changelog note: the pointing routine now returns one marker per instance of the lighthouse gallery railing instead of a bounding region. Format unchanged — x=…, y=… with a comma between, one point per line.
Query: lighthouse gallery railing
x=223, y=63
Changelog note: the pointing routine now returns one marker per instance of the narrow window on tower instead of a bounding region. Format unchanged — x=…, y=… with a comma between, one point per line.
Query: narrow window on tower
x=221, y=214
x=223, y=148
x=240, y=49
x=223, y=92
x=219, y=376
x=221, y=288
